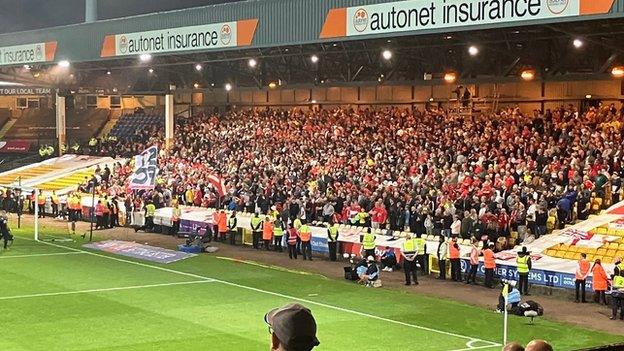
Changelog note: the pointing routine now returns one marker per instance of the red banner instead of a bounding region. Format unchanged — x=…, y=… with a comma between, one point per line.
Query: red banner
x=14, y=146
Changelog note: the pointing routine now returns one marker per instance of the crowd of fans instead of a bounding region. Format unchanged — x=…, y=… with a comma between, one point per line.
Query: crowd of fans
x=422, y=171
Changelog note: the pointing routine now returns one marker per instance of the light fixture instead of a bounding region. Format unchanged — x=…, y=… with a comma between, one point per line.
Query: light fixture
x=527, y=74
x=272, y=85
x=450, y=77
x=196, y=85
x=198, y=67
x=430, y=99
x=151, y=70
x=228, y=86
x=114, y=90
x=448, y=37
x=71, y=76
x=64, y=64
x=473, y=50
x=313, y=101
x=212, y=85
x=588, y=96
x=617, y=72
x=108, y=73
x=252, y=63
x=27, y=67
x=145, y=57
x=314, y=58
x=387, y=54
x=578, y=43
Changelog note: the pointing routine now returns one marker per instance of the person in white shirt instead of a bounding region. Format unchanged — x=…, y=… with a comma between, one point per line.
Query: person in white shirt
x=456, y=226
x=442, y=256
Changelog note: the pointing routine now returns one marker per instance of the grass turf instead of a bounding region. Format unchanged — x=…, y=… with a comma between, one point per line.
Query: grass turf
x=66, y=302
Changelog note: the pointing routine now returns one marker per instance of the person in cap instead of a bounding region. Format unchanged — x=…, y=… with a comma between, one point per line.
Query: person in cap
x=523, y=262
x=292, y=328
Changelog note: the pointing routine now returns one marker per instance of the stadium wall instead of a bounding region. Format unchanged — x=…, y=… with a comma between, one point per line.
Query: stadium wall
x=528, y=95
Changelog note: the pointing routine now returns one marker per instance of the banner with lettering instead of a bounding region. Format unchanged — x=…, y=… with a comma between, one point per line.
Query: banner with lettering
x=416, y=15
x=177, y=39
x=145, y=170
x=27, y=53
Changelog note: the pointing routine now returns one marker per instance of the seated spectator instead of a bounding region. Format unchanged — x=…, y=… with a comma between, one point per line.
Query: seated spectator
x=388, y=259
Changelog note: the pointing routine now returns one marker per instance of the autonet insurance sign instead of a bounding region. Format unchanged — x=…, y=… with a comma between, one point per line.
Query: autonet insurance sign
x=27, y=53
x=202, y=37
x=415, y=15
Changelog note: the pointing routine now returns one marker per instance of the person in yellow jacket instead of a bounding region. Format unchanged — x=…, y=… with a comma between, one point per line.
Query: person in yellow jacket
x=41, y=201
x=523, y=262
x=150, y=211
x=617, y=296
x=175, y=218
x=368, y=243
x=256, y=230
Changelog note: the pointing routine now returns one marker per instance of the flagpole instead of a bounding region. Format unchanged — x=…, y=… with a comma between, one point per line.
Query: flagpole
x=505, y=315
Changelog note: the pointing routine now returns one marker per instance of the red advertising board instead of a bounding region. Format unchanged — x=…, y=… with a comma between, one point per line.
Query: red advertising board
x=14, y=146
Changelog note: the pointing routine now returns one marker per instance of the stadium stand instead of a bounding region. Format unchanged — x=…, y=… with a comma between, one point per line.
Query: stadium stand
x=40, y=124
x=128, y=124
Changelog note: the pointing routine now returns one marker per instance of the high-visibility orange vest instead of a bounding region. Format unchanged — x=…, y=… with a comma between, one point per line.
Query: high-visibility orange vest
x=41, y=200
x=292, y=236
x=304, y=233
x=453, y=252
x=488, y=259
x=222, y=222
x=267, y=230
x=582, y=269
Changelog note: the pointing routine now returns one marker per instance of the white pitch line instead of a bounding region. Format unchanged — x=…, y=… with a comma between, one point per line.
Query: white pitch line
x=470, y=339
x=478, y=347
x=101, y=290
x=43, y=255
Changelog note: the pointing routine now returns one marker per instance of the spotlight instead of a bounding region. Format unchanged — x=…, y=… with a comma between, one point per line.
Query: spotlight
x=431, y=99
x=198, y=67
x=228, y=87
x=578, y=43
x=272, y=85
x=588, y=96
x=71, y=76
x=151, y=70
x=387, y=54
x=108, y=73
x=473, y=50
x=313, y=101
x=618, y=72
x=27, y=67
x=212, y=85
x=450, y=77
x=145, y=57
x=63, y=64
x=527, y=74
x=252, y=63
x=196, y=85
x=314, y=58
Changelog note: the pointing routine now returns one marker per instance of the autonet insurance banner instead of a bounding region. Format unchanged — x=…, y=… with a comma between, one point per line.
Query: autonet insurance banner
x=27, y=53
x=202, y=37
x=415, y=15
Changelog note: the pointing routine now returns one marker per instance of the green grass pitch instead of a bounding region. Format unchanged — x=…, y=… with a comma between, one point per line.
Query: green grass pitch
x=54, y=297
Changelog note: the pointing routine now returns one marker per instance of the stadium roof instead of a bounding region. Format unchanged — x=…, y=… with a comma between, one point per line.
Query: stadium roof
x=284, y=35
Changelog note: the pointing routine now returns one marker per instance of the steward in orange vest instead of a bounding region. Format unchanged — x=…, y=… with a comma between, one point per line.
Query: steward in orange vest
x=489, y=263
x=454, y=257
x=582, y=271
x=267, y=233
x=600, y=282
x=222, y=225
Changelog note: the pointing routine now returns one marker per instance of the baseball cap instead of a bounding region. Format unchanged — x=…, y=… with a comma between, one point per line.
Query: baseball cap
x=293, y=325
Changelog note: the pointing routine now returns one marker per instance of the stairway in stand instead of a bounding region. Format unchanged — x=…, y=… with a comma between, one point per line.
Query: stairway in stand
x=7, y=126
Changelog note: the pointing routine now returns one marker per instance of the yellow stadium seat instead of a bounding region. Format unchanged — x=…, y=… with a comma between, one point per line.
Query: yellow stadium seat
x=619, y=253
x=607, y=260
x=600, y=230
x=560, y=254
x=551, y=252
x=601, y=251
x=598, y=257
x=620, y=232
x=592, y=251
x=613, y=246
x=569, y=255
x=611, y=232
x=577, y=255
x=611, y=253
x=573, y=248
x=582, y=250
x=590, y=257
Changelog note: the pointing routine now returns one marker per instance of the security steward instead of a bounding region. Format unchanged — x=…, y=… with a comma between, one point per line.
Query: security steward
x=41, y=200
x=332, y=240
x=55, y=204
x=232, y=227
x=421, y=253
x=617, y=296
x=442, y=256
x=409, y=252
x=305, y=234
x=368, y=243
x=582, y=271
x=267, y=233
x=489, y=263
x=256, y=230
x=278, y=235
x=150, y=211
x=177, y=214
x=523, y=261
x=454, y=255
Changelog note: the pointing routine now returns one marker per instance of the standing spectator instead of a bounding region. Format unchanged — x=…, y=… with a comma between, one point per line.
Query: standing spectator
x=474, y=262
x=442, y=255
x=454, y=255
x=582, y=271
x=600, y=282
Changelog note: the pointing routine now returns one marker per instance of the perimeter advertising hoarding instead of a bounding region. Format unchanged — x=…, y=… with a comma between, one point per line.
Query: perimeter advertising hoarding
x=179, y=39
x=27, y=53
x=416, y=15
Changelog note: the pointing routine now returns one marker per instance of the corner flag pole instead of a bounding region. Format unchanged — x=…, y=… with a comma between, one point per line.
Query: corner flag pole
x=36, y=204
x=505, y=314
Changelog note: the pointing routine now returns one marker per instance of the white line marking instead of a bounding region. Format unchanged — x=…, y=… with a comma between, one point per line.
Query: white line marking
x=43, y=255
x=478, y=347
x=470, y=339
x=101, y=290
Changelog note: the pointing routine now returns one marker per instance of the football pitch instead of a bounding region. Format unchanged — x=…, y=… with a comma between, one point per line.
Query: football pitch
x=59, y=296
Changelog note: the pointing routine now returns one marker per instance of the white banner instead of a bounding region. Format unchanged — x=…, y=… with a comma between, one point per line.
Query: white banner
x=27, y=53
x=145, y=169
x=416, y=15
